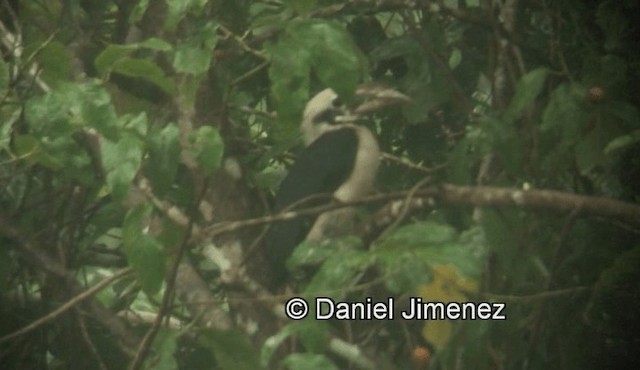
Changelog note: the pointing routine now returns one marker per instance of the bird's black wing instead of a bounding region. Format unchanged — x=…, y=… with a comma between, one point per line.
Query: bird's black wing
x=319, y=169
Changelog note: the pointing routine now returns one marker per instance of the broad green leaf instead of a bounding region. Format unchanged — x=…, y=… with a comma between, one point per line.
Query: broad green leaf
x=110, y=55
x=121, y=161
x=313, y=334
x=459, y=166
x=207, y=148
x=55, y=63
x=154, y=43
x=98, y=112
x=4, y=77
x=403, y=271
x=317, y=46
x=138, y=11
x=231, y=349
x=527, y=89
x=49, y=113
x=165, y=346
x=422, y=233
x=272, y=344
x=315, y=252
x=146, y=69
x=302, y=7
x=334, y=57
x=308, y=361
x=337, y=272
x=113, y=53
x=589, y=149
x=27, y=146
x=178, y=9
x=193, y=56
x=627, y=114
x=137, y=124
x=164, y=157
x=622, y=142
x=429, y=245
x=289, y=75
x=562, y=122
x=147, y=259
x=506, y=142
x=143, y=251
x=455, y=58
x=119, y=180
x=395, y=47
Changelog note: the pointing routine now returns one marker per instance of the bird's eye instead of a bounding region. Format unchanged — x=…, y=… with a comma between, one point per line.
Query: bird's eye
x=337, y=102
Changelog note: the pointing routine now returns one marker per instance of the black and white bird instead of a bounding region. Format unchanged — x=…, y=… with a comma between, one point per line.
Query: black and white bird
x=339, y=164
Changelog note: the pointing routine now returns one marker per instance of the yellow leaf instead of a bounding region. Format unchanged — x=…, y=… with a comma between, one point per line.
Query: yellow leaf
x=447, y=286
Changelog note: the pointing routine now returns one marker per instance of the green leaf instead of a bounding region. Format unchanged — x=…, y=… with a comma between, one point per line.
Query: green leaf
x=231, y=349
x=589, y=149
x=420, y=233
x=193, y=56
x=334, y=57
x=399, y=253
x=105, y=61
x=146, y=69
x=49, y=113
x=427, y=244
x=506, y=142
x=460, y=160
x=395, y=47
x=317, y=46
x=4, y=77
x=308, y=361
x=564, y=110
x=315, y=252
x=55, y=62
x=207, y=148
x=455, y=58
x=165, y=346
x=272, y=344
x=312, y=333
x=154, y=43
x=289, y=75
x=177, y=9
x=338, y=271
x=143, y=251
x=622, y=142
x=121, y=161
x=527, y=89
x=164, y=158
x=302, y=7
x=404, y=272
x=138, y=11
x=97, y=110
x=119, y=180
x=27, y=146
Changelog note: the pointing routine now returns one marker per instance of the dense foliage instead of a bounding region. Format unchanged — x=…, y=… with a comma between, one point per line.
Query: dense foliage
x=132, y=132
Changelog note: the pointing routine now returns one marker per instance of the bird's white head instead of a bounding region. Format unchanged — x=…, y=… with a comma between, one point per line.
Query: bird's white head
x=320, y=114
x=326, y=111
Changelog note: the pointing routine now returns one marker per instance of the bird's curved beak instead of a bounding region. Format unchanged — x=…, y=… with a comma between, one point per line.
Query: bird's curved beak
x=370, y=98
x=377, y=96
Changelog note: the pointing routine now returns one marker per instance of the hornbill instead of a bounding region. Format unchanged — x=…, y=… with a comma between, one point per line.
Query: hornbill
x=339, y=164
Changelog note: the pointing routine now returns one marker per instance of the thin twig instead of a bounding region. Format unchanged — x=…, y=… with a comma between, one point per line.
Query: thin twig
x=68, y=305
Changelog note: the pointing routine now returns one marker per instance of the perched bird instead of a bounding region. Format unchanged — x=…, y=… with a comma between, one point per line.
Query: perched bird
x=339, y=163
